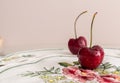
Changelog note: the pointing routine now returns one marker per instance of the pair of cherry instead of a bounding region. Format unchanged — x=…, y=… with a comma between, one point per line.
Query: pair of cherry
x=89, y=57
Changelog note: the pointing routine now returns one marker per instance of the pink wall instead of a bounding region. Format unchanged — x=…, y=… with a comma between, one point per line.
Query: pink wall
x=34, y=24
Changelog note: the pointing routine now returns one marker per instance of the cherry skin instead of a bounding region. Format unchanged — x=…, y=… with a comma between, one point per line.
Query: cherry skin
x=98, y=48
x=76, y=44
x=91, y=57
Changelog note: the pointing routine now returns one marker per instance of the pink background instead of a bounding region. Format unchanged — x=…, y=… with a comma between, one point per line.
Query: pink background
x=35, y=24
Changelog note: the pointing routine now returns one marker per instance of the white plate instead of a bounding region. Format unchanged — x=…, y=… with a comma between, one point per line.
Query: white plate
x=25, y=67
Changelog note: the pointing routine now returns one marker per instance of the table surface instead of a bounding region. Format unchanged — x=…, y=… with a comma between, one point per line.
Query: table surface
x=30, y=66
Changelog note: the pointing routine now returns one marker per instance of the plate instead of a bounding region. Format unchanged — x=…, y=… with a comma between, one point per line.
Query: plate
x=45, y=65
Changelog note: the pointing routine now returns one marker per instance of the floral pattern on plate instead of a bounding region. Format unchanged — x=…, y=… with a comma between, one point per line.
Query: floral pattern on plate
x=43, y=66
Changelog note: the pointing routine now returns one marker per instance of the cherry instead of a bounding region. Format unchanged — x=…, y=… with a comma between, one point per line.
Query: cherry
x=76, y=44
x=91, y=57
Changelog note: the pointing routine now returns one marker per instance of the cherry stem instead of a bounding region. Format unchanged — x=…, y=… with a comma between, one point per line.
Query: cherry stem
x=91, y=29
x=76, y=22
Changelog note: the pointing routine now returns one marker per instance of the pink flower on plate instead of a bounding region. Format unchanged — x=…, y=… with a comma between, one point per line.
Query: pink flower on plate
x=79, y=74
x=84, y=75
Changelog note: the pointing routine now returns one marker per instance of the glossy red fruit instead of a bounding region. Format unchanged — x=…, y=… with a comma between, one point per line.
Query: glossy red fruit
x=91, y=57
x=75, y=44
x=98, y=48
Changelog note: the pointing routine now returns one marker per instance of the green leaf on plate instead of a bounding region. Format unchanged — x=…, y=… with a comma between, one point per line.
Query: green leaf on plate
x=65, y=64
x=76, y=63
x=57, y=70
x=51, y=69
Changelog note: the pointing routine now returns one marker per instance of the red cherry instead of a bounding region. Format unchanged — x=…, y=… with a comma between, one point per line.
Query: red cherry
x=76, y=44
x=91, y=57
x=98, y=48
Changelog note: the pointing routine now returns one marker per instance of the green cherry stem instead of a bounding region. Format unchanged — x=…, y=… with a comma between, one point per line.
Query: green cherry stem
x=76, y=22
x=91, y=29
